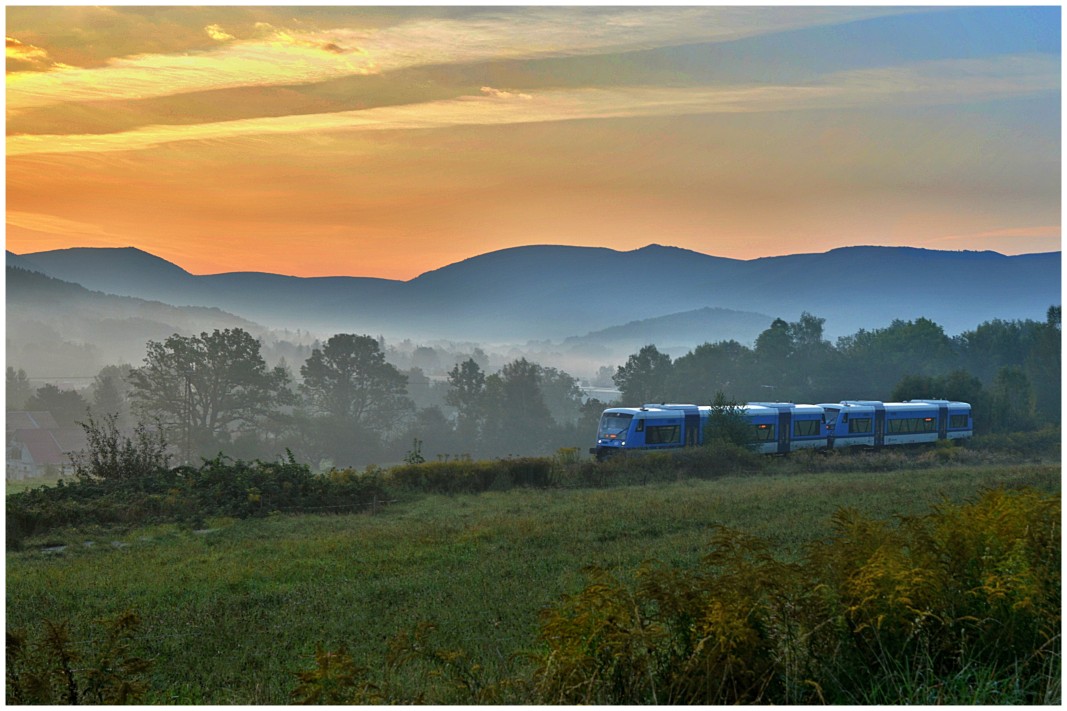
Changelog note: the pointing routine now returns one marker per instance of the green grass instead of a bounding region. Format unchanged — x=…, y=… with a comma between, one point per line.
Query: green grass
x=229, y=615
x=14, y=486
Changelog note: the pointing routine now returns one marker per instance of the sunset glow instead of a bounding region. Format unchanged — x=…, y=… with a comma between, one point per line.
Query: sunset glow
x=390, y=141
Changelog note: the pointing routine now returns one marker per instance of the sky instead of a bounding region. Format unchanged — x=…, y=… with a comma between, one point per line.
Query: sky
x=390, y=141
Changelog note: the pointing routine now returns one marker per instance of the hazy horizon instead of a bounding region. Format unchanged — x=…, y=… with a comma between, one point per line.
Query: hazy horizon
x=391, y=141
x=519, y=247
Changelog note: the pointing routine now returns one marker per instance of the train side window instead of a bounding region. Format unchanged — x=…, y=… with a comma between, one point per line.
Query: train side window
x=957, y=422
x=764, y=433
x=859, y=425
x=640, y=426
x=805, y=428
x=664, y=434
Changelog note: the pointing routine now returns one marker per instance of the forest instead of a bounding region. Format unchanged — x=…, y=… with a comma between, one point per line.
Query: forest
x=347, y=405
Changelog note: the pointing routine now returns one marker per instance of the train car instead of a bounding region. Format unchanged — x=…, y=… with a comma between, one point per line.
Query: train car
x=872, y=423
x=778, y=427
x=650, y=427
x=781, y=427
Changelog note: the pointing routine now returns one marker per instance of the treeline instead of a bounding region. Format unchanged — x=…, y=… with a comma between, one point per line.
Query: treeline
x=1008, y=370
x=346, y=405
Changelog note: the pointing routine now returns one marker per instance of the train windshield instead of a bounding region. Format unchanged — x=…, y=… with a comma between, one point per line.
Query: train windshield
x=614, y=424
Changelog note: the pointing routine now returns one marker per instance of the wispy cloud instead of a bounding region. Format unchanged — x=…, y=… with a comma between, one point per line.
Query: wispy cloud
x=28, y=57
x=218, y=34
x=54, y=225
x=942, y=82
x=283, y=56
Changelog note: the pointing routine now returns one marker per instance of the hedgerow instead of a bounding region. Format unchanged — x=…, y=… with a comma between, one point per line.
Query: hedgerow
x=466, y=476
x=219, y=487
x=123, y=480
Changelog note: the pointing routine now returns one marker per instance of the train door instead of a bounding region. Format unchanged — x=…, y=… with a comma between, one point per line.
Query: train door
x=692, y=429
x=879, y=425
x=942, y=421
x=785, y=427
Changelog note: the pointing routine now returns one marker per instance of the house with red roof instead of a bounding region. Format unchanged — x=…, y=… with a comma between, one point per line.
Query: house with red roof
x=36, y=445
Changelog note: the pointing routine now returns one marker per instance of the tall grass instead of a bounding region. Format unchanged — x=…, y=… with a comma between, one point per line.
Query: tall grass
x=231, y=613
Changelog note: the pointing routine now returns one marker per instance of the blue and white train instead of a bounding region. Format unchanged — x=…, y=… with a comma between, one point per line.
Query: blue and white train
x=782, y=427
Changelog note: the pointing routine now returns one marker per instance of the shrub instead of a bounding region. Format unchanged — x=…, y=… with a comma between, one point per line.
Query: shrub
x=118, y=460
x=469, y=477
x=219, y=487
x=51, y=668
x=966, y=593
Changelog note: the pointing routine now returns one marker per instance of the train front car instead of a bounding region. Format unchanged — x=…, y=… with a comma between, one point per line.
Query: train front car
x=649, y=427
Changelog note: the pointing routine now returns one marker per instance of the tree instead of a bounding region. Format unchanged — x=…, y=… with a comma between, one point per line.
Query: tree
x=19, y=389
x=426, y=359
x=354, y=396
x=712, y=367
x=643, y=379
x=775, y=344
x=958, y=385
x=68, y=407
x=727, y=423
x=109, y=393
x=433, y=431
x=1043, y=367
x=873, y=361
x=1013, y=400
x=517, y=421
x=204, y=389
x=466, y=393
x=348, y=379
x=562, y=395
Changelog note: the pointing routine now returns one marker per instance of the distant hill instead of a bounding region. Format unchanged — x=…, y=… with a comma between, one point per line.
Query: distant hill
x=676, y=334
x=555, y=292
x=59, y=329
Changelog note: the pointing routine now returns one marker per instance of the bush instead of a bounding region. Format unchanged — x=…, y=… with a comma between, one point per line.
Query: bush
x=50, y=668
x=219, y=487
x=470, y=477
x=114, y=459
x=918, y=611
x=1045, y=442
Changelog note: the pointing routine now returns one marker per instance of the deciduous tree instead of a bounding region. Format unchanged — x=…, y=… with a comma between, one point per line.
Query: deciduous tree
x=349, y=380
x=644, y=377
x=205, y=389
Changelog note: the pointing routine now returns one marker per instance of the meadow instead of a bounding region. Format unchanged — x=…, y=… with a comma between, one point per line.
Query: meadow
x=232, y=611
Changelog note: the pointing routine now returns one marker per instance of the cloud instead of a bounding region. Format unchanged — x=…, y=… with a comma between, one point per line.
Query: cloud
x=497, y=93
x=51, y=224
x=216, y=32
x=953, y=80
x=27, y=57
x=932, y=83
x=286, y=56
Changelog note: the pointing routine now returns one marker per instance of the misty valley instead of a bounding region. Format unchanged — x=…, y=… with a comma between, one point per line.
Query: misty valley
x=215, y=382
x=250, y=513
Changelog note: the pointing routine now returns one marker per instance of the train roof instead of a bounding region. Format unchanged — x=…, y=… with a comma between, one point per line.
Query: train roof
x=896, y=406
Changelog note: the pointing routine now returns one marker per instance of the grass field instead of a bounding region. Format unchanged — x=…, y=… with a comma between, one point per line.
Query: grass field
x=230, y=613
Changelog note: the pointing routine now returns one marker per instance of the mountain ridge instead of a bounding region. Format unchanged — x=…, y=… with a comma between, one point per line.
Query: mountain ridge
x=56, y=326
x=557, y=291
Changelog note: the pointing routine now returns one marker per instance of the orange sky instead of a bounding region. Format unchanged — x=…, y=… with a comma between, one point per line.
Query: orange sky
x=391, y=141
